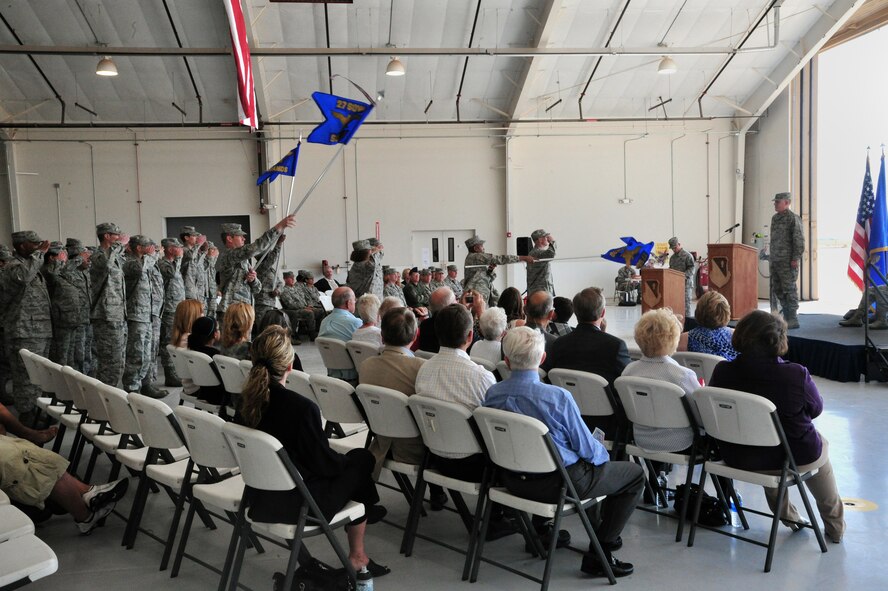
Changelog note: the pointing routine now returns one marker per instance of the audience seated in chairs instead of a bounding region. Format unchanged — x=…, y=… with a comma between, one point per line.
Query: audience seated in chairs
x=204, y=334
x=760, y=340
x=279, y=318
x=427, y=340
x=367, y=309
x=186, y=313
x=493, y=328
x=564, y=311
x=511, y=301
x=712, y=334
x=341, y=324
x=586, y=459
x=627, y=282
x=237, y=324
x=333, y=478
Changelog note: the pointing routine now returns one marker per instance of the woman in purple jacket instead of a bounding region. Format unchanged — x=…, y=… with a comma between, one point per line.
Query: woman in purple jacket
x=760, y=339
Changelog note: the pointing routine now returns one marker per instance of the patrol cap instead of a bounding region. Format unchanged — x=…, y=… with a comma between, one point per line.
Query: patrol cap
x=108, y=228
x=452, y=268
x=25, y=236
x=233, y=229
x=74, y=246
x=425, y=272
x=473, y=242
x=373, y=242
x=437, y=270
x=5, y=253
x=188, y=231
x=361, y=245
x=786, y=196
x=168, y=242
x=288, y=274
x=537, y=234
x=139, y=240
x=55, y=247
x=673, y=242
x=306, y=274
x=389, y=270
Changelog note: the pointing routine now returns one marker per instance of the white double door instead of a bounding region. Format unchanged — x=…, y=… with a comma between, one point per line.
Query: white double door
x=439, y=247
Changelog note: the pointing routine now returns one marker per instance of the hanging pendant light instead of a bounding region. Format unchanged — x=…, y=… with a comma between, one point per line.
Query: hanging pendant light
x=106, y=67
x=667, y=66
x=395, y=67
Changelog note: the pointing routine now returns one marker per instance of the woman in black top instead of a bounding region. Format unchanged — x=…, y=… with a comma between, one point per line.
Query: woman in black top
x=333, y=478
x=204, y=334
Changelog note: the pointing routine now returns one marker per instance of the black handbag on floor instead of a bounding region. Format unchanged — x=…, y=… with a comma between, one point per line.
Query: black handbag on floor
x=316, y=576
x=712, y=512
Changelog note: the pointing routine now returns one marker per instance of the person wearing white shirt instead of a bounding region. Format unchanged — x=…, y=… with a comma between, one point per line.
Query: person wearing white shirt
x=367, y=310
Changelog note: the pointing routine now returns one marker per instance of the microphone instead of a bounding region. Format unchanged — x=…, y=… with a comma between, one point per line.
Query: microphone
x=732, y=228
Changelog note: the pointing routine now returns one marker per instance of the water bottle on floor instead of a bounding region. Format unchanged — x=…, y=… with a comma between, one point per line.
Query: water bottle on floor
x=735, y=516
x=364, y=580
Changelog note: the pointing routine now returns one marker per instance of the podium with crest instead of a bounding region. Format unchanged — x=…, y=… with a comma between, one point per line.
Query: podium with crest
x=662, y=288
x=733, y=272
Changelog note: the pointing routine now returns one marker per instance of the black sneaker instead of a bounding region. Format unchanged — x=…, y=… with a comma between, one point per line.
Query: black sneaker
x=437, y=500
x=500, y=528
x=545, y=535
x=592, y=566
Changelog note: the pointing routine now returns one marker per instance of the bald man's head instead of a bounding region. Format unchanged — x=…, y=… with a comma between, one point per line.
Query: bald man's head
x=440, y=299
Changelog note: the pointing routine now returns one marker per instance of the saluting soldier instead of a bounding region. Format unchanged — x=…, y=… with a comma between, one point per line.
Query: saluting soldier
x=539, y=273
x=71, y=304
x=479, y=271
x=362, y=277
x=108, y=315
x=212, y=291
x=683, y=262
x=194, y=262
x=157, y=302
x=5, y=257
x=170, y=267
x=787, y=246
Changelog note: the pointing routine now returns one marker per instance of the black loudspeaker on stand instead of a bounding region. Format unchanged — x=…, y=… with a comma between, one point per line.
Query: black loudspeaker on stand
x=524, y=245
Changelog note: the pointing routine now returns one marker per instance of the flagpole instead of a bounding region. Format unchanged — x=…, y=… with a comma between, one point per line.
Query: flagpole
x=318, y=181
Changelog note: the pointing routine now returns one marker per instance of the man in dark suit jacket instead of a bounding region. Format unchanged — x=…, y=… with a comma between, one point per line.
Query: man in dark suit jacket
x=327, y=283
x=428, y=338
x=589, y=348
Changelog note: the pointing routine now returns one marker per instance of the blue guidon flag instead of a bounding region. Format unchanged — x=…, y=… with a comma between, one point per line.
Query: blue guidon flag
x=342, y=117
x=634, y=252
x=286, y=166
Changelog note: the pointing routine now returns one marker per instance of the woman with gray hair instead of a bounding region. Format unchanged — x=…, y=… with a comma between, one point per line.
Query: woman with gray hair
x=493, y=327
x=367, y=309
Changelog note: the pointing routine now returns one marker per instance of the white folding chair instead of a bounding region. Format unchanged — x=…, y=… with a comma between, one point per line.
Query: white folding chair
x=98, y=430
x=25, y=560
x=203, y=374
x=741, y=418
x=484, y=362
x=55, y=380
x=424, y=354
x=14, y=523
x=446, y=428
x=594, y=398
x=703, y=364
x=522, y=444
x=359, y=351
x=338, y=406
x=334, y=354
x=129, y=449
x=266, y=465
x=505, y=372
x=37, y=376
x=230, y=371
x=77, y=418
x=660, y=405
x=300, y=382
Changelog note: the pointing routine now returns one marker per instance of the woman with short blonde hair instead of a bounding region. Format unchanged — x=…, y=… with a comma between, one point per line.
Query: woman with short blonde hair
x=367, y=309
x=237, y=324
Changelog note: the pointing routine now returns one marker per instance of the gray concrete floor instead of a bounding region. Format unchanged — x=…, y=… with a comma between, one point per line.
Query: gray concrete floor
x=852, y=421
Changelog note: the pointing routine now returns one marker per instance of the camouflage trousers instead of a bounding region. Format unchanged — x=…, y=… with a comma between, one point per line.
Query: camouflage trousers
x=110, y=344
x=70, y=346
x=4, y=370
x=151, y=376
x=689, y=295
x=138, y=355
x=24, y=393
x=166, y=331
x=784, y=288
x=306, y=321
x=89, y=355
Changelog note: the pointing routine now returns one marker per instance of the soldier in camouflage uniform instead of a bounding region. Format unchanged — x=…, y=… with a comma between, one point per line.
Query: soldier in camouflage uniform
x=108, y=315
x=479, y=267
x=539, y=273
x=787, y=246
x=53, y=262
x=268, y=297
x=683, y=262
x=295, y=308
x=212, y=288
x=194, y=262
x=170, y=267
x=452, y=282
x=392, y=289
x=139, y=295
x=70, y=307
x=157, y=301
x=415, y=295
x=437, y=278
x=27, y=316
x=311, y=297
x=425, y=284
x=6, y=399
x=237, y=279
x=365, y=275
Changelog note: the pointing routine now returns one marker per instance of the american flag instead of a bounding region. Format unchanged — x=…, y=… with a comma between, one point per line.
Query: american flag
x=246, y=94
x=860, y=239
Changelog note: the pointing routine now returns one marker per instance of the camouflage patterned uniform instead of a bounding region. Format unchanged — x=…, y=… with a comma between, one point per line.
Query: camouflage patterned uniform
x=157, y=302
x=5, y=257
x=479, y=278
x=394, y=291
x=539, y=274
x=294, y=304
x=173, y=293
x=234, y=264
x=27, y=319
x=454, y=284
x=311, y=297
x=137, y=274
x=50, y=270
x=366, y=276
x=71, y=305
x=416, y=296
x=108, y=315
x=194, y=264
x=266, y=274
x=787, y=245
x=683, y=262
x=212, y=288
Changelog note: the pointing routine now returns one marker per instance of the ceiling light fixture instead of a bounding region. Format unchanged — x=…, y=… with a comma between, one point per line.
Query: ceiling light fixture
x=667, y=66
x=395, y=67
x=106, y=67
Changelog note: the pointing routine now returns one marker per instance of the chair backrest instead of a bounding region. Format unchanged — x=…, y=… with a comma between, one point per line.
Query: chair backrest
x=51, y=380
x=200, y=368
x=233, y=377
x=702, y=363
x=245, y=366
x=589, y=390
x=505, y=373
x=635, y=353
x=387, y=411
x=299, y=382
x=257, y=455
x=204, y=438
x=446, y=427
x=335, y=400
x=182, y=368
x=485, y=363
x=334, y=354
x=738, y=417
x=157, y=423
x=424, y=354
x=69, y=374
x=120, y=415
x=92, y=398
x=361, y=350
x=35, y=371
x=515, y=442
x=652, y=403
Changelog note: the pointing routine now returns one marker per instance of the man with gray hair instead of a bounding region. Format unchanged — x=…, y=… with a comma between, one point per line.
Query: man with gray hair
x=341, y=324
x=585, y=458
x=539, y=311
x=428, y=339
x=539, y=273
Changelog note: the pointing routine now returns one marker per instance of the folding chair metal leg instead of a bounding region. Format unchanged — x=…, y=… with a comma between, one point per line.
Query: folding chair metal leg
x=135, y=516
x=525, y=524
x=474, y=531
x=775, y=523
x=413, y=517
x=183, y=539
x=462, y=509
x=174, y=525
x=232, y=547
x=697, y=503
x=295, y=546
x=60, y=435
x=482, y=535
x=91, y=465
x=239, y=558
x=683, y=511
x=550, y=551
x=593, y=541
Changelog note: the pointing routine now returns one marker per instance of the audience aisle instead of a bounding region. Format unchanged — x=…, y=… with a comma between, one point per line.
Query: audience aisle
x=851, y=421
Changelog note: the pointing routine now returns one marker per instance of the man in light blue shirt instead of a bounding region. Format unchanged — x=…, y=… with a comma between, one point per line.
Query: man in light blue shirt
x=341, y=324
x=585, y=458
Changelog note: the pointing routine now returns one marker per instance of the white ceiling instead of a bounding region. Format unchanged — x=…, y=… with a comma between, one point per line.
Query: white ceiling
x=494, y=87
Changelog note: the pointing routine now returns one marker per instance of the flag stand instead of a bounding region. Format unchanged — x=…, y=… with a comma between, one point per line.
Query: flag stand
x=873, y=353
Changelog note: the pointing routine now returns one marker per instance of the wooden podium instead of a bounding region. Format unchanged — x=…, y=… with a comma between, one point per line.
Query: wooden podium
x=662, y=288
x=733, y=272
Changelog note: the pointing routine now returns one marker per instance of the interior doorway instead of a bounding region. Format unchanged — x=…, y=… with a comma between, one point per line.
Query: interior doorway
x=439, y=247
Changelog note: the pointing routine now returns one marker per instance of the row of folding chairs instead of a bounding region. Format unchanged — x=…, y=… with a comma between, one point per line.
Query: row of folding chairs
x=24, y=558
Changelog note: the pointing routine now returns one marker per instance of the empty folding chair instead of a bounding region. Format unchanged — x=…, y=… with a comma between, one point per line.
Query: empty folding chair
x=522, y=444
x=703, y=364
x=338, y=406
x=98, y=429
x=334, y=354
x=25, y=560
x=359, y=351
x=595, y=400
x=74, y=420
x=265, y=465
x=14, y=523
x=741, y=418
